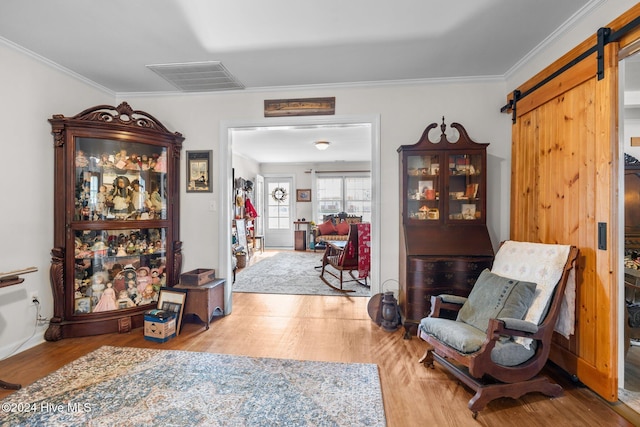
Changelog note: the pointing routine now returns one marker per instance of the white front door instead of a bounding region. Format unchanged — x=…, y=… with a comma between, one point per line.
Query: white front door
x=278, y=204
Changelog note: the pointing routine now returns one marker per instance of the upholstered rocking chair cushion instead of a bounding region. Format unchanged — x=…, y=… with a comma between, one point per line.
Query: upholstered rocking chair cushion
x=494, y=297
x=468, y=339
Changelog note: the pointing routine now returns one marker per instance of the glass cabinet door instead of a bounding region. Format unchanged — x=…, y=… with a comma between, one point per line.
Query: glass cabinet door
x=118, y=269
x=422, y=191
x=464, y=201
x=119, y=181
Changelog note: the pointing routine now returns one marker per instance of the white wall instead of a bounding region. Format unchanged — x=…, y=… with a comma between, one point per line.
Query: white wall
x=31, y=93
x=631, y=129
x=405, y=111
x=598, y=14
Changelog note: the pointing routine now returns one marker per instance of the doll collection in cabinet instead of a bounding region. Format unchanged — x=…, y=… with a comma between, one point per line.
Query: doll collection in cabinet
x=119, y=181
x=118, y=268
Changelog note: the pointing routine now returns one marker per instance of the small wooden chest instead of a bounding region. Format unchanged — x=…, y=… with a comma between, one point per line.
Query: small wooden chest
x=198, y=277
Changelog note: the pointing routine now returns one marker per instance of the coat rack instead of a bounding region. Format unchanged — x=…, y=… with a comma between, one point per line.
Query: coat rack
x=9, y=279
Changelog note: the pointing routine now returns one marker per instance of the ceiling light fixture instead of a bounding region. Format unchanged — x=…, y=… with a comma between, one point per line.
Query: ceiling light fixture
x=322, y=145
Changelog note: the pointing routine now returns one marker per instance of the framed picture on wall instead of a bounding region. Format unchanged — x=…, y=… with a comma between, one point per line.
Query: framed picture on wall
x=303, y=195
x=199, y=172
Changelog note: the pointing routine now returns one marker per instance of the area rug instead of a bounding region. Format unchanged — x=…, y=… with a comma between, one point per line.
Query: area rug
x=146, y=387
x=292, y=273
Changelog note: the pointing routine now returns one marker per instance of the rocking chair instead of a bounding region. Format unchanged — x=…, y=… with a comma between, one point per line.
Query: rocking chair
x=343, y=256
x=501, y=338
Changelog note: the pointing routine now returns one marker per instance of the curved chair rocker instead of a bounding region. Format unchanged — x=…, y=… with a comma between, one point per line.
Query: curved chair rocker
x=343, y=256
x=501, y=338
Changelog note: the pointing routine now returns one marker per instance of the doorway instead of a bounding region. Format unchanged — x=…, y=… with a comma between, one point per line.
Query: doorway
x=278, y=211
x=629, y=322
x=227, y=129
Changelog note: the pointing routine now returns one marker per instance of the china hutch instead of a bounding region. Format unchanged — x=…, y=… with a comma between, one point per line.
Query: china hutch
x=116, y=219
x=444, y=241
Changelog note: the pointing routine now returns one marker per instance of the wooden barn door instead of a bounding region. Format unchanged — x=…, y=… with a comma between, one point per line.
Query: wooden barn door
x=564, y=182
x=564, y=176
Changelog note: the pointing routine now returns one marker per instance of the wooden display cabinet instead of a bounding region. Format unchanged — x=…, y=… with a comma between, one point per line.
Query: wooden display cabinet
x=444, y=241
x=116, y=219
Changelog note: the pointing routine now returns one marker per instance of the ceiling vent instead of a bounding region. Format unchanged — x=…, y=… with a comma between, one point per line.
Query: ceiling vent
x=197, y=76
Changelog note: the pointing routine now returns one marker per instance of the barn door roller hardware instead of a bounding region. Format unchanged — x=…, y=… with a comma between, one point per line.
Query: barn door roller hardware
x=604, y=36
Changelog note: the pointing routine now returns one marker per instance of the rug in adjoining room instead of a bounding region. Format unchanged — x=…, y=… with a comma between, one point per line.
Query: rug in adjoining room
x=292, y=273
x=146, y=387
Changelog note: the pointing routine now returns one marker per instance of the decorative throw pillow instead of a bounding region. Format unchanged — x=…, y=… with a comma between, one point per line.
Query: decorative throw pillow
x=343, y=228
x=327, y=227
x=495, y=296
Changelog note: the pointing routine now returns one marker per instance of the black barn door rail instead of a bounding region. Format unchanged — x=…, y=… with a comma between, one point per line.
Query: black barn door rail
x=605, y=36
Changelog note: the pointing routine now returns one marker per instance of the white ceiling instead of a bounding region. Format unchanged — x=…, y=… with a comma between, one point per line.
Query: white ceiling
x=285, y=43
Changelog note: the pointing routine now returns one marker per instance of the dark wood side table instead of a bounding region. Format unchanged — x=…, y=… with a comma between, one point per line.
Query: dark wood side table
x=205, y=301
x=301, y=235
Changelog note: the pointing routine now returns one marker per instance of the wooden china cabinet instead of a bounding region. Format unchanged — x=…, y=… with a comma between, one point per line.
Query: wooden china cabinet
x=444, y=241
x=116, y=219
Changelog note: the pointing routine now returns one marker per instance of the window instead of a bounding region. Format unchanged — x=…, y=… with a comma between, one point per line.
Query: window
x=346, y=193
x=279, y=216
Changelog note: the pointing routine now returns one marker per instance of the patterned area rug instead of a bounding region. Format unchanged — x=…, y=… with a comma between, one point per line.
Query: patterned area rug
x=292, y=273
x=146, y=387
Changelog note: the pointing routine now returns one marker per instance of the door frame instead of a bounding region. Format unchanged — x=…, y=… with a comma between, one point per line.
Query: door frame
x=224, y=195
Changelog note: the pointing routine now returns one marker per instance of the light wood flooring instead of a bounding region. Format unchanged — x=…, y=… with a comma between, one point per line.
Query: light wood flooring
x=339, y=329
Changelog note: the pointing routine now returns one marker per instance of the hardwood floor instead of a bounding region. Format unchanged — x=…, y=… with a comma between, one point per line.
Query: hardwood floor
x=339, y=329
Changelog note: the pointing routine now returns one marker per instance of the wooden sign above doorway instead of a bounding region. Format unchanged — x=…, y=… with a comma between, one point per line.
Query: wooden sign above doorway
x=299, y=107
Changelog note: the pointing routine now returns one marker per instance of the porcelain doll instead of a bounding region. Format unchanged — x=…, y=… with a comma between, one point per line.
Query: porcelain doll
x=148, y=296
x=101, y=200
x=117, y=276
x=133, y=163
x=129, y=273
x=155, y=278
x=155, y=201
x=120, y=196
x=144, y=165
x=84, y=251
x=161, y=163
x=120, y=160
x=143, y=278
x=99, y=248
x=107, y=300
x=138, y=196
x=121, y=250
x=105, y=161
x=131, y=248
x=132, y=290
x=97, y=289
x=123, y=300
x=81, y=159
x=152, y=162
x=76, y=286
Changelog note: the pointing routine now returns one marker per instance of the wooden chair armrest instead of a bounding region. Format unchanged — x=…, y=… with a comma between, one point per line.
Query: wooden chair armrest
x=519, y=325
x=453, y=299
x=445, y=302
x=513, y=327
